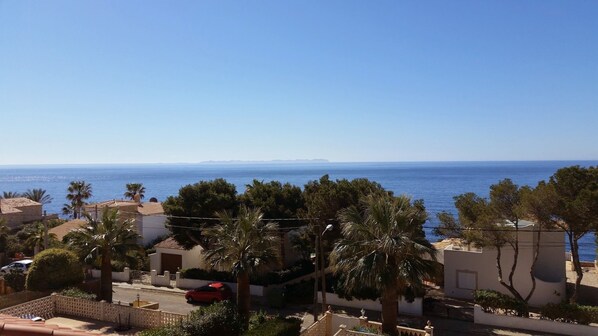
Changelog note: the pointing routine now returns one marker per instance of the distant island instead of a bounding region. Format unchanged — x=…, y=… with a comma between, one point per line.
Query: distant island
x=266, y=161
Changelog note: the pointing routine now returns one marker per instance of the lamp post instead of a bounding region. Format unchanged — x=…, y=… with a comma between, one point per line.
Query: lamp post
x=319, y=249
x=323, y=265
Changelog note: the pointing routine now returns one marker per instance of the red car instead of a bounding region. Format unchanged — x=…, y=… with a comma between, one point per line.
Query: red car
x=214, y=292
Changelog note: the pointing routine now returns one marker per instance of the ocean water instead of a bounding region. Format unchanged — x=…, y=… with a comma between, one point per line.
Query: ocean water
x=434, y=182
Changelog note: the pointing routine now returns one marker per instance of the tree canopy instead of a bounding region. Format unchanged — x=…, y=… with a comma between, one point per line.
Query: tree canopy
x=202, y=200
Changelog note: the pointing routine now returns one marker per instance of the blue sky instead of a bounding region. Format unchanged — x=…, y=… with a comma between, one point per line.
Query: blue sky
x=160, y=81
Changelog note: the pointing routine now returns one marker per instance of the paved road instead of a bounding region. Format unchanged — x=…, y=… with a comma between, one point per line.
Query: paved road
x=174, y=301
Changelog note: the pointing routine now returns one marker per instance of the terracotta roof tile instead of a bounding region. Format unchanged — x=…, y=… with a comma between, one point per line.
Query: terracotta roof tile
x=169, y=243
x=62, y=230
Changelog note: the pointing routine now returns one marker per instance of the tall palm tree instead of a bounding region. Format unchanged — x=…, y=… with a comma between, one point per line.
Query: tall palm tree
x=10, y=194
x=38, y=195
x=244, y=245
x=384, y=247
x=135, y=188
x=104, y=240
x=78, y=193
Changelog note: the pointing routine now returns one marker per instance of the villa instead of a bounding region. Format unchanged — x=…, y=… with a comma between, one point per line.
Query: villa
x=20, y=210
x=467, y=269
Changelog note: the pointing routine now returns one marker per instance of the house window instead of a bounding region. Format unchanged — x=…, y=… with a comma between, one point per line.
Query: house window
x=467, y=280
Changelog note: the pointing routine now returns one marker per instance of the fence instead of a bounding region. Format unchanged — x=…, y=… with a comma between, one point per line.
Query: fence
x=324, y=327
x=55, y=304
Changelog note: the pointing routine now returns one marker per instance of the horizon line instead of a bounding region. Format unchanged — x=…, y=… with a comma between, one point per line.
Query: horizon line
x=277, y=161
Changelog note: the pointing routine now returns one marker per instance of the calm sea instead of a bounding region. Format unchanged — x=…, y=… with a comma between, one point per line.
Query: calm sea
x=435, y=182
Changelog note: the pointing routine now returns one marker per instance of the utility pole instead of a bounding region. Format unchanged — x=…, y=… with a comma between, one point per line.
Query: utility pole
x=315, y=309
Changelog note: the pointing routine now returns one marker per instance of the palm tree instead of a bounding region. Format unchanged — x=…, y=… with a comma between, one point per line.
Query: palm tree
x=38, y=195
x=104, y=240
x=10, y=194
x=36, y=237
x=78, y=193
x=384, y=247
x=244, y=245
x=133, y=189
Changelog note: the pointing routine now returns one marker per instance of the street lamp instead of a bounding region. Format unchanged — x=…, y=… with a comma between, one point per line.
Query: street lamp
x=320, y=250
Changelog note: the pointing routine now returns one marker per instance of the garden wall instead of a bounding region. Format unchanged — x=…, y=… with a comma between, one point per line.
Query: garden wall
x=546, y=326
x=414, y=308
x=124, y=276
x=194, y=283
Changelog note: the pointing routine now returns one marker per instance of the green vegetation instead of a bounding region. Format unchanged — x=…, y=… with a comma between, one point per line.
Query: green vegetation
x=276, y=200
x=15, y=279
x=38, y=195
x=77, y=293
x=202, y=200
x=384, y=247
x=10, y=194
x=134, y=189
x=244, y=245
x=277, y=326
x=78, y=193
x=100, y=241
x=574, y=206
x=494, y=302
x=54, y=269
x=570, y=313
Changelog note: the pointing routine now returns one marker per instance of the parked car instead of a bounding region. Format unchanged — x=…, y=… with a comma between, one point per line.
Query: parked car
x=22, y=265
x=214, y=292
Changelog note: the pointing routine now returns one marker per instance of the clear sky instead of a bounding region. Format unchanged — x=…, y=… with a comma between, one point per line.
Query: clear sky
x=177, y=81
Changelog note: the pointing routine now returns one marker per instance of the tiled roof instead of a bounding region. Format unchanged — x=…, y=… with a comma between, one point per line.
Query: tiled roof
x=169, y=243
x=18, y=202
x=147, y=208
x=10, y=325
x=7, y=209
x=61, y=230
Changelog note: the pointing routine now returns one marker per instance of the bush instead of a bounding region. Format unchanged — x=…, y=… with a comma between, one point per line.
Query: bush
x=277, y=327
x=492, y=301
x=570, y=313
x=167, y=330
x=77, y=293
x=15, y=279
x=54, y=269
x=300, y=268
x=218, y=319
x=198, y=273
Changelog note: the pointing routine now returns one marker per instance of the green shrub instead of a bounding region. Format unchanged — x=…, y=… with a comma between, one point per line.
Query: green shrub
x=570, y=313
x=15, y=279
x=300, y=268
x=198, y=273
x=494, y=302
x=218, y=319
x=256, y=319
x=277, y=327
x=77, y=293
x=168, y=330
x=54, y=269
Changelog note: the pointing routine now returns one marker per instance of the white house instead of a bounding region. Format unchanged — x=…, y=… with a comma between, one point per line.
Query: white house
x=467, y=269
x=149, y=216
x=170, y=256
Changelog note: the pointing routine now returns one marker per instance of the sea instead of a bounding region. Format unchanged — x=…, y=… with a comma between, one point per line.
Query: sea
x=434, y=182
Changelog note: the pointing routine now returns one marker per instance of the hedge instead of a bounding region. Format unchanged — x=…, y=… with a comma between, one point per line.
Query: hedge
x=300, y=268
x=570, y=313
x=492, y=301
x=277, y=327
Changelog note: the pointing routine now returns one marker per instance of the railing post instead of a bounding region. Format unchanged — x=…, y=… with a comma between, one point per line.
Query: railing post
x=429, y=329
x=328, y=321
x=342, y=330
x=363, y=320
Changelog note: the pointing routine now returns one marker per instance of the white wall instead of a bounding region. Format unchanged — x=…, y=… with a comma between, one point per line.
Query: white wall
x=195, y=283
x=152, y=227
x=123, y=276
x=406, y=308
x=192, y=258
x=545, y=326
x=160, y=280
x=550, y=270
